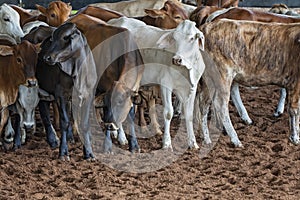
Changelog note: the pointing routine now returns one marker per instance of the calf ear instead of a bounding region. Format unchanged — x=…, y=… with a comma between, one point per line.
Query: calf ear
x=38, y=47
x=69, y=6
x=99, y=101
x=165, y=41
x=6, y=50
x=136, y=98
x=42, y=9
x=201, y=38
x=154, y=13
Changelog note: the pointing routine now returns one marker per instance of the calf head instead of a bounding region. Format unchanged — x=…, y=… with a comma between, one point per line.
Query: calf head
x=279, y=8
x=116, y=104
x=169, y=16
x=62, y=45
x=56, y=13
x=23, y=60
x=187, y=38
x=9, y=22
x=26, y=103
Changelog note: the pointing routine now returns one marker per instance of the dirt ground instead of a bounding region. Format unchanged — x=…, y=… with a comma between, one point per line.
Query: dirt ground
x=268, y=167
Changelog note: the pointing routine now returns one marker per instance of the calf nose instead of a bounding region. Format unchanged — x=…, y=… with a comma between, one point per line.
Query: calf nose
x=111, y=126
x=32, y=82
x=47, y=58
x=28, y=127
x=177, y=60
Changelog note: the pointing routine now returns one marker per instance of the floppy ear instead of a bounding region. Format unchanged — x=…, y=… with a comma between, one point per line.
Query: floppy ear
x=201, y=39
x=42, y=9
x=165, y=41
x=99, y=101
x=6, y=50
x=38, y=47
x=69, y=6
x=154, y=13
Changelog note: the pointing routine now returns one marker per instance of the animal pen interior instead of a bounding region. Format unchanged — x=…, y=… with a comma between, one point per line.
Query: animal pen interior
x=264, y=164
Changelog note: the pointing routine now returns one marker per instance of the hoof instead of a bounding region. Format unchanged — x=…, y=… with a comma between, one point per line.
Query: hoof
x=53, y=145
x=294, y=140
x=64, y=158
x=248, y=121
x=207, y=141
x=237, y=143
x=277, y=114
x=122, y=141
x=193, y=145
x=90, y=159
x=167, y=147
x=157, y=130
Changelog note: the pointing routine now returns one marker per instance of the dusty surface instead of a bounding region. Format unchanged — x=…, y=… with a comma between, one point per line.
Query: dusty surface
x=267, y=167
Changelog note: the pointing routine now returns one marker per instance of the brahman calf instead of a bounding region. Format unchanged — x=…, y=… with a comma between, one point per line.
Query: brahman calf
x=172, y=60
x=241, y=53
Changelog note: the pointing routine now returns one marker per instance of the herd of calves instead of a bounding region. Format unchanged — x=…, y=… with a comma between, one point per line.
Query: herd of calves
x=103, y=58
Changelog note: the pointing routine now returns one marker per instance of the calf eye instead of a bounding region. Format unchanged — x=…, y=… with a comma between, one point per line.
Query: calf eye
x=53, y=15
x=66, y=38
x=6, y=19
x=177, y=17
x=19, y=60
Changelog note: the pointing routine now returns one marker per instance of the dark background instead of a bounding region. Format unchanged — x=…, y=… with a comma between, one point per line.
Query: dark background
x=76, y=4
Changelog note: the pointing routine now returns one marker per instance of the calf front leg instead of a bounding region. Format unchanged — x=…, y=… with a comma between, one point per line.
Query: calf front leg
x=133, y=144
x=280, y=106
x=188, y=114
x=226, y=121
x=44, y=108
x=168, y=114
x=153, y=116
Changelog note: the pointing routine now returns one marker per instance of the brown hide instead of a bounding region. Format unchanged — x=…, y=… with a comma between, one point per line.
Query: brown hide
x=200, y=14
x=247, y=52
x=246, y=14
x=167, y=17
x=218, y=3
x=97, y=32
x=16, y=69
x=81, y=19
x=24, y=15
x=101, y=13
x=55, y=14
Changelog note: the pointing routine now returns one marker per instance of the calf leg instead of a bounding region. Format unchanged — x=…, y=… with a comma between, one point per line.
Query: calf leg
x=188, y=114
x=44, y=108
x=17, y=138
x=153, y=116
x=142, y=121
x=237, y=101
x=121, y=136
x=221, y=101
x=294, y=112
x=280, y=106
x=64, y=126
x=133, y=144
x=168, y=114
x=9, y=132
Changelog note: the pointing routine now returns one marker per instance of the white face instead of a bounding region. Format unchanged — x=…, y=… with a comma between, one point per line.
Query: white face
x=187, y=38
x=10, y=22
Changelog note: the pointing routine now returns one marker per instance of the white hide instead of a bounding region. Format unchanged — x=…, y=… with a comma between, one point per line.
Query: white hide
x=10, y=22
x=30, y=25
x=135, y=8
x=159, y=49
